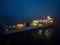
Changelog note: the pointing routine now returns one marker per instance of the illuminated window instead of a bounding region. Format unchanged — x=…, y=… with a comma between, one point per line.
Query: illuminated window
x=35, y=21
x=51, y=21
x=40, y=20
x=33, y=24
x=20, y=26
x=48, y=17
x=44, y=21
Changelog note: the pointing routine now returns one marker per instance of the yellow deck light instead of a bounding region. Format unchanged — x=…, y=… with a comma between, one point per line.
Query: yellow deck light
x=20, y=26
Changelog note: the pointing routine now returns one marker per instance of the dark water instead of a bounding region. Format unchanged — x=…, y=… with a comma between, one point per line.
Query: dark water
x=45, y=36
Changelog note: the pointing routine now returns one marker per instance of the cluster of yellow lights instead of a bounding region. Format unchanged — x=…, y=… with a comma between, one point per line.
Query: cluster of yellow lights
x=18, y=26
x=48, y=20
x=34, y=23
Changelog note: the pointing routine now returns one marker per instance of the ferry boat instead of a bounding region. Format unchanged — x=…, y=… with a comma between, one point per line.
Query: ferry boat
x=36, y=24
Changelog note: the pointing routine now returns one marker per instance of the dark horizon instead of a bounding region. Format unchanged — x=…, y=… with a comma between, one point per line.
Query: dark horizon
x=16, y=11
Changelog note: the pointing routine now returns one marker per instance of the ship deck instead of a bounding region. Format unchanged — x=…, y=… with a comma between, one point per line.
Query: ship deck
x=27, y=28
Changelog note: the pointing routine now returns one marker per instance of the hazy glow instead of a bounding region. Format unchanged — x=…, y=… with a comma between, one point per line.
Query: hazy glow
x=20, y=26
x=7, y=30
x=35, y=21
x=48, y=17
x=47, y=33
x=40, y=32
x=13, y=26
x=39, y=21
x=33, y=24
x=9, y=26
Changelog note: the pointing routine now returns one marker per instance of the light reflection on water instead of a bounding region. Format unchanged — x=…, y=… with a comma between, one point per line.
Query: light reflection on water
x=46, y=33
x=34, y=36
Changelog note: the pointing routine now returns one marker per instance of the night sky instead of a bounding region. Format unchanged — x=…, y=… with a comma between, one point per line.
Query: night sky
x=15, y=11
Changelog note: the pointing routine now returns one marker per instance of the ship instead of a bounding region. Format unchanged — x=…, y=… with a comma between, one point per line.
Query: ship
x=34, y=25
